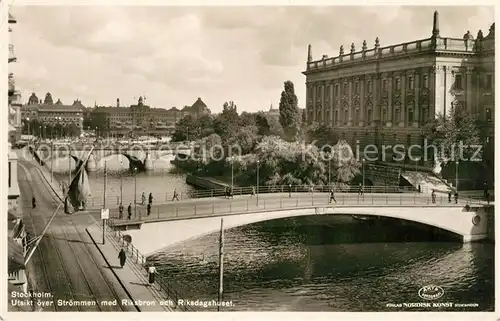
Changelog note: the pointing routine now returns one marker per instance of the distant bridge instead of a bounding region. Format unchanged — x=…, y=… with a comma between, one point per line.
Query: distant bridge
x=178, y=222
x=140, y=157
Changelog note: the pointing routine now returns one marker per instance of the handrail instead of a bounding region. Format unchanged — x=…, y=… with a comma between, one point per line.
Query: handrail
x=141, y=259
x=180, y=211
x=167, y=197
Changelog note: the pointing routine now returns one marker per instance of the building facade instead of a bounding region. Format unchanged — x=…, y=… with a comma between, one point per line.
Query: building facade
x=47, y=119
x=141, y=119
x=386, y=95
x=16, y=233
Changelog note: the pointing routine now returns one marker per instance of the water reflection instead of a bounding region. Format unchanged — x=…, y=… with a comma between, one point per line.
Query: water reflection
x=338, y=265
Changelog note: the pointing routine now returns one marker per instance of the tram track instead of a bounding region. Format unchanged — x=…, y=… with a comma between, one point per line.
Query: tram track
x=82, y=281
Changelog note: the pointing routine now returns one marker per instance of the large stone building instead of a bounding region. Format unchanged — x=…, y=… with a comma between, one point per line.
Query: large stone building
x=17, y=280
x=141, y=119
x=386, y=95
x=43, y=118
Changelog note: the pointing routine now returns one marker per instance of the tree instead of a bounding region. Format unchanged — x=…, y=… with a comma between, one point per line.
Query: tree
x=226, y=123
x=185, y=129
x=262, y=124
x=321, y=135
x=248, y=119
x=289, y=111
x=459, y=128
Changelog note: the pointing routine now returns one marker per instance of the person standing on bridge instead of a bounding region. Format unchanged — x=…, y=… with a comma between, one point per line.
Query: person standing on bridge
x=360, y=190
x=252, y=192
x=150, y=198
x=123, y=257
x=433, y=197
x=129, y=210
x=143, y=199
x=120, y=210
x=151, y=274
x=332, y=196
x=33, y=202
x=449, y=197
x=456, y=197
x=176, y=196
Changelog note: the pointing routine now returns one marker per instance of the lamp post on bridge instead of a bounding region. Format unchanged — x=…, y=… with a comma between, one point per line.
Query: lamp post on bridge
x=121, y=184
x=135, y=192
x=363, y=161
x=456, y=176
x=330, y=171
x=257, y=192
x=28, y=123
x=232, y=174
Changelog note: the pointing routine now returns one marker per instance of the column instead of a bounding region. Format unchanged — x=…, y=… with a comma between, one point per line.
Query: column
x=322, y=97
x=468, y=89
x=416, y=103
x=402, y=112
x=389, y=101
x=349, y=101
x=434, y=94
x=314, y=92
x=377, y=88
x=332, y=105
x=362, y=109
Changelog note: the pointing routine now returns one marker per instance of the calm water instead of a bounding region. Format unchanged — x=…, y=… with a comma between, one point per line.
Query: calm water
x=336, y=264
x=316, y=263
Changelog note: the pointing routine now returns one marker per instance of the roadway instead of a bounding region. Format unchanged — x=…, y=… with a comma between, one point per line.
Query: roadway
x=203, y=207
x=66, y=262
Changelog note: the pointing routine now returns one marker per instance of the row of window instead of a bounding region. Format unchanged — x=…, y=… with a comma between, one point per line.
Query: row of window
x=357, y=114
x=458, y=84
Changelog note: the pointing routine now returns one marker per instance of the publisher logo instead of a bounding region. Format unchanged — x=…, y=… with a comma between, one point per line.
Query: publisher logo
x=431, y=292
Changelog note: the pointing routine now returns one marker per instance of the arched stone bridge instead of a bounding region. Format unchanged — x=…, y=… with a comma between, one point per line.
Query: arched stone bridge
x=468, y=222
x=139, y=157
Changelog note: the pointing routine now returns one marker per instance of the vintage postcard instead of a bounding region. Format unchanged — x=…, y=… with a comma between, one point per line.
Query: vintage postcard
x=250, y=159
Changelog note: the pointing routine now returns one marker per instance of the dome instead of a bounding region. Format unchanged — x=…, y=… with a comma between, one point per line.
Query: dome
x=48, y=99
x=33, y=99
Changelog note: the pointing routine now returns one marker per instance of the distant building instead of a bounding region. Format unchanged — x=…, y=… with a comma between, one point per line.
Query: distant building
x=386, y=95
x=141, y=119
x=38, y=115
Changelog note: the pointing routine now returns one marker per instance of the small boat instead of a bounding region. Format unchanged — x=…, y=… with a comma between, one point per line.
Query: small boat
x=363, y=217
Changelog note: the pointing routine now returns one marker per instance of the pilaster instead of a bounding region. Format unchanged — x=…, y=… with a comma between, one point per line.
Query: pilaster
x=468, y=89
x=362, y=109
x=403, y=110
x=314, y=93
x=349, y=102
x=322, y=97
x=331, y=102
x=436, y=91
x=416, y=105
x=389, y=101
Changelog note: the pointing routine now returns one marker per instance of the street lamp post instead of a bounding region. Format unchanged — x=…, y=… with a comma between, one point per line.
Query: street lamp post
x=135, y=192
x=121, y=184
x=456, y=176
x=28, y=122
x=232, y=173
x=363, y=168
x=257, y=194
x=330, y=171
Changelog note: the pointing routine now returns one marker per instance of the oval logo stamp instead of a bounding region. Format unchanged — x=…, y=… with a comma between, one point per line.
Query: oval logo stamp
x=431, y=292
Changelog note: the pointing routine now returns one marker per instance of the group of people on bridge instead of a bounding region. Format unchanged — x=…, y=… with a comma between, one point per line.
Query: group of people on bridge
x=143, y=202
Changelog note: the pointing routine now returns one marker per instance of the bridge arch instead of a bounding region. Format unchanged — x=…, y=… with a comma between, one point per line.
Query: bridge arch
x=153, y=237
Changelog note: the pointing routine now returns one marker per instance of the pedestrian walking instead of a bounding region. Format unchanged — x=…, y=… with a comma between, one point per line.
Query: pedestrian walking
x=419, y=189
x=123, y=257
x=33, y=202
x=290, y=190
x=176, y=196
x=150, y=198
x=149, y=208
x=120, y=210
x=332, y=196
x=151, y=274
x=449, y=197
x=143, y=199
x=456, y=197
x=360, y=190
x=252, y=192
x=433, y=197
x=129, y=210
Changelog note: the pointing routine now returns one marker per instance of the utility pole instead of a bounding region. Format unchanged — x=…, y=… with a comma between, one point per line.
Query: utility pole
x=221, y=263
x=104, y=203
x=51, y=161
x=258, y=165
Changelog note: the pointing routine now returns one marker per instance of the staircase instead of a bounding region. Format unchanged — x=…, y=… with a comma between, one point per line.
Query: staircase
x=427, y=181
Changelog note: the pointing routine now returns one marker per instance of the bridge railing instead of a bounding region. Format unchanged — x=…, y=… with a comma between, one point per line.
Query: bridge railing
x=166, y=197
x=299, y=201
x=141, y=260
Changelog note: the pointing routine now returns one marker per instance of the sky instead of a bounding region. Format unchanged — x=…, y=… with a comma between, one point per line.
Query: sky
x=173, y=55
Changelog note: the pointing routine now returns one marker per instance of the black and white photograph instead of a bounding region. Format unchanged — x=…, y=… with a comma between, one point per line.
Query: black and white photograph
x=249, y=158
